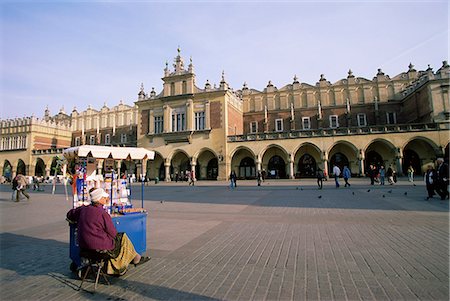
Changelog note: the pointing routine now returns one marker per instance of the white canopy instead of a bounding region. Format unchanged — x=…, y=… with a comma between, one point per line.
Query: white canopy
x=103, y=152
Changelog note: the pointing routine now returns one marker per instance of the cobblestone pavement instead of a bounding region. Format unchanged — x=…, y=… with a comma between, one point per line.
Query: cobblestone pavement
x=285, y=240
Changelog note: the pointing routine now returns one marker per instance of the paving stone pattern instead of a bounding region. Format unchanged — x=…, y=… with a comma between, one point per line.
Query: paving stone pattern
x=285, y=240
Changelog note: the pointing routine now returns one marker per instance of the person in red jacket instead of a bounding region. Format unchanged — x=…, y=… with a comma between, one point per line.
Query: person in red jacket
x=96, y=231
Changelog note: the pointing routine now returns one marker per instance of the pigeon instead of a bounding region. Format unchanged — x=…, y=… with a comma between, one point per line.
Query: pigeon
x=301, y=188
x=296, y=188
x=405, y=193
x=384, y=195
x=162, y=202
x=353, y=192
x=319, y=196
x=390, y=191
x=368, y=190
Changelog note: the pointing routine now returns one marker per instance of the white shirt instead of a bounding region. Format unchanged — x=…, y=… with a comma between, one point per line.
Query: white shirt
x=336, y=171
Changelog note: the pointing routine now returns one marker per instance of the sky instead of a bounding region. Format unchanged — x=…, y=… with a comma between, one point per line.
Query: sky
x=66, y=54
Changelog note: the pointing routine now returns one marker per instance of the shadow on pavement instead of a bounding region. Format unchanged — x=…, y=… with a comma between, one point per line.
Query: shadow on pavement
x=28, y=256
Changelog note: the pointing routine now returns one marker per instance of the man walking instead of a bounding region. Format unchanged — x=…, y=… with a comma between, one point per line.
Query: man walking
x=347, y=174
x=442, y=178
x=337, y=173
x=21, y=187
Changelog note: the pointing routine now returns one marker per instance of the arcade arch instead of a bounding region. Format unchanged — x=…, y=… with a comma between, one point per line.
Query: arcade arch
x=180, y=164
x=380, y=152
x=419, y=153
x=21, y=167
x=307, y=159
x=207, y=167
x=7, y=170
x=39, y=169
x=343, y=153
x=243, y=163
x=274, y=161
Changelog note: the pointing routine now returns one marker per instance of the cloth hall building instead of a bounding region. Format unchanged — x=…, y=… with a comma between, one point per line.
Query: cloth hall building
x=288, y=132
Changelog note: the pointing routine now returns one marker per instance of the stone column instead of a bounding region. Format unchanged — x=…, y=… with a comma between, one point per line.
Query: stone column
x=291, y=166
x=193, y=164
x=47, y=172
x=258, y=164
x=325, y=163
x=399, y=162
x=167, y=169
x=361, y=159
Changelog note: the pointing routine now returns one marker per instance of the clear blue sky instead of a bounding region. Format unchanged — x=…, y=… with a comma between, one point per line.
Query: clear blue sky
x=76, y=53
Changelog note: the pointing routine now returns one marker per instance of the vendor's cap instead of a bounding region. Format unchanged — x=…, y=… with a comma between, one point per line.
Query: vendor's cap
x=97, y=194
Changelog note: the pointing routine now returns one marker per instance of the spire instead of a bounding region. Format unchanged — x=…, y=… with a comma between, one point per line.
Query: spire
x=141, y=94
x=322, y=78
x=166, y=70
x=350, y=73
x=191, y=66
x=223, y=83
x=244, y=86
x=411, y=68
x=296, y=79
x=179, y=63
x=380, y=72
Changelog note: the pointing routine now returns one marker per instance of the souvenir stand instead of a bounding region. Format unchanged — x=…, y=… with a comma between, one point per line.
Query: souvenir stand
x=126, y=218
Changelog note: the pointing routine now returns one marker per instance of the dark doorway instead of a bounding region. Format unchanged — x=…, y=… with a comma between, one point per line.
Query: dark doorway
x=277, y=168
x=212, y=169
x=306, y=167
x=340, y=160
x=373, y=158
x=411, y=158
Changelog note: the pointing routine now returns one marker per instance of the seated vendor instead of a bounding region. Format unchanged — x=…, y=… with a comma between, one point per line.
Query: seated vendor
x=96, y=231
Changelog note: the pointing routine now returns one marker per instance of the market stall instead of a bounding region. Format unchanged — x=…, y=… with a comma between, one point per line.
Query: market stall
x=94, y=166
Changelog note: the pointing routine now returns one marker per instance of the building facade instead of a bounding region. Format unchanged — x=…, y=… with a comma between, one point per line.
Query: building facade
x=32, y=146
x=288, y=132
x=292, y=131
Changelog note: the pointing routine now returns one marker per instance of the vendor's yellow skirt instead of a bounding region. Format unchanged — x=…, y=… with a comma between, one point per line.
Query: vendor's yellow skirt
x=119, y=265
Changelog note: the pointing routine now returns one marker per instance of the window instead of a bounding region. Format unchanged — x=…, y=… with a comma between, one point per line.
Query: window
x=14, y=143
x=123, y=138
x=306, y=123
x=362, y=119
x=107, y=139
x=391, y=118
x=278, y=125
x=159, y=124
x=334, y=122
x=199, y=121
x=92, y=140
x=253, y=127
x=178, y=121
x=77, y=141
